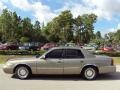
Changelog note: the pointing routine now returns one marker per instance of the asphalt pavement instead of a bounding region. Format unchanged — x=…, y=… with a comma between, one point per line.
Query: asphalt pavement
x=39, y=82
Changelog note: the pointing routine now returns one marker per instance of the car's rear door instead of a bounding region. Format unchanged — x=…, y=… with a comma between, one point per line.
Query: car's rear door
x=53, y=63
x=72, y=61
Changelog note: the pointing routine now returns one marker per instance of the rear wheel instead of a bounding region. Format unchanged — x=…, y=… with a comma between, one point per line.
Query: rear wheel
x=89, y=73
x=22, y=72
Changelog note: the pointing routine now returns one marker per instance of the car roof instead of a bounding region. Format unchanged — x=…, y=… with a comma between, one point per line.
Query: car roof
x=67, y=47
x=85, y=52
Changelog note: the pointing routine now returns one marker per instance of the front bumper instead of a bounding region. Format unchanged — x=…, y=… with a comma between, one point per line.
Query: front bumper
x=7, y=69
x=107, y=69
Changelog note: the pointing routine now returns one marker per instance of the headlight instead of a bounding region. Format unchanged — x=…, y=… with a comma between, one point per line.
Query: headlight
x=8, y=64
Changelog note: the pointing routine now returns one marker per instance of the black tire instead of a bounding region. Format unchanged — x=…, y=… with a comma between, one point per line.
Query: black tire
x=89, y=73
x=22, y=72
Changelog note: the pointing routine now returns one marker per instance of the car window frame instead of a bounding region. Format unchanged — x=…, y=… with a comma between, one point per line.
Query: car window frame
x=52, y=51
x=73, y=57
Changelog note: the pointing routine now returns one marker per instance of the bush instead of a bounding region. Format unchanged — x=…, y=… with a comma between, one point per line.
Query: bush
x=111, y=54
x=20, y=52
x=24, y=39
x=26, y=52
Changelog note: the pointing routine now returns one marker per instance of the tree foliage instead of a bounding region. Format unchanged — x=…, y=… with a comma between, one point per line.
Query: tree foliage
x=84, y=27
x=13, y=28
x=63, y=28
x=98, y=38
x=113, y=37
x=66, y=28
x=24, y=39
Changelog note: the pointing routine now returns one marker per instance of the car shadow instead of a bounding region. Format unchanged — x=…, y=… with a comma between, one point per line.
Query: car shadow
x=104, y=77
x=110, y=76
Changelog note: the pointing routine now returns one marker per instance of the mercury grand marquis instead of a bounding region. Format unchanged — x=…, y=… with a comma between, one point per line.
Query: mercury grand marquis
x=61, y=61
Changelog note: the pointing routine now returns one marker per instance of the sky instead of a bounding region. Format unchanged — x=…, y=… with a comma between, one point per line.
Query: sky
x=108, y=11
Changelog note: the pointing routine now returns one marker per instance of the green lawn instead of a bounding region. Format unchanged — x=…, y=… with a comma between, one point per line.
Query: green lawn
x=3, y=58
x=116, y=60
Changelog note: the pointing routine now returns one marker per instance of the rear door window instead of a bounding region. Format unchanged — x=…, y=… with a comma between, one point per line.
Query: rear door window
x=73, y=53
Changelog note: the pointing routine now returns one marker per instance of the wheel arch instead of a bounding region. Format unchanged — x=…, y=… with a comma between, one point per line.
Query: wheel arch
x=27, y=66
x=90, y=65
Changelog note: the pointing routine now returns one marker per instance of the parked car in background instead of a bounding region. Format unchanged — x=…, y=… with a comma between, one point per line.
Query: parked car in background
x=23, y=47
x=40, y=45
x=48, y=46
x=118, y=48
x=30, y=46
x=33, y=46
x=8, y=46
x=61, y=61
x=107, y=48
x=12, y=46
x=3, y=47
x=90, y=47
x=70, y=45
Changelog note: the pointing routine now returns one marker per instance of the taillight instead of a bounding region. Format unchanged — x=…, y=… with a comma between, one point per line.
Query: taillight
x=112, y=62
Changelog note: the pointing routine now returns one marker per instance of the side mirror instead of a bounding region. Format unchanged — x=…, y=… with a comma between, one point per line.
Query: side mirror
x=43, y=57
x=37, y=56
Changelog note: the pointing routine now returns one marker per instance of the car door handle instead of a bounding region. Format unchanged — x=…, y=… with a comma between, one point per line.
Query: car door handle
x=59, y=62
x=82, y=61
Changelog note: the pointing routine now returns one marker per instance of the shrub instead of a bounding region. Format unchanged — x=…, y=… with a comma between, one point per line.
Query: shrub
x=20, y=52
x=27, y=52
x=111, y=54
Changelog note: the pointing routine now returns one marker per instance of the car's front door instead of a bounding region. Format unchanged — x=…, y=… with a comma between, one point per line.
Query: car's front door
x=52, y=64
x=73, y=61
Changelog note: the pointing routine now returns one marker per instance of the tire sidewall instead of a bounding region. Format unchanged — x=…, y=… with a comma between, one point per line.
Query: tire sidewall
x=85, y=70
x=17, y=72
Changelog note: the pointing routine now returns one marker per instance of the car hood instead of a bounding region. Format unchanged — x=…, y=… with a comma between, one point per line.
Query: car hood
x=15, y=60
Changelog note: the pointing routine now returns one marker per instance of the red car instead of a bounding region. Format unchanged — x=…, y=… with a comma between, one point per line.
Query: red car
x=47, y=46
x=8, y=47
x=107, y=49
x=3, y=47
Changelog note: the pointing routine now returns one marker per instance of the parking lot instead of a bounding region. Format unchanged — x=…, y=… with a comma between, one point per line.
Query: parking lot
x=104, y=82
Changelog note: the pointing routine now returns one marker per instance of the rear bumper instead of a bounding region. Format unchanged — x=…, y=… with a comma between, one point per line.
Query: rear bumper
x=107, y=69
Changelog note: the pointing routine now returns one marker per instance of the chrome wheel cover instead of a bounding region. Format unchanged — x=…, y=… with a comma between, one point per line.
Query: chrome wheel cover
x=22, y=72
x=90, y=73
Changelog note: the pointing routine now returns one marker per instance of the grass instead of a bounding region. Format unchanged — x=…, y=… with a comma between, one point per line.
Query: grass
x=116, y=60
x=4, y=58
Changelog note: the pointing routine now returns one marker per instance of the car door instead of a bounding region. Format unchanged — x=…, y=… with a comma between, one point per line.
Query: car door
x=52, y=64
x=73, y=61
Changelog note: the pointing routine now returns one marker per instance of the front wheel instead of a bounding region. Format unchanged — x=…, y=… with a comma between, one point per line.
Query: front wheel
x=22, y=72
x=89, y=73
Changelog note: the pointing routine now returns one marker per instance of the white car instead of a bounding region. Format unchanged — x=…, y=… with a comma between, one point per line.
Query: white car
x=89, y=47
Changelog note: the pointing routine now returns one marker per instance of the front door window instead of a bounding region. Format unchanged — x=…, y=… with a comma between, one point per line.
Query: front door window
x=55, y=54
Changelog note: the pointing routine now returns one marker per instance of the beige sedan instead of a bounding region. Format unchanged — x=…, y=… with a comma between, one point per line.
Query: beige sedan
x=61, y=61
